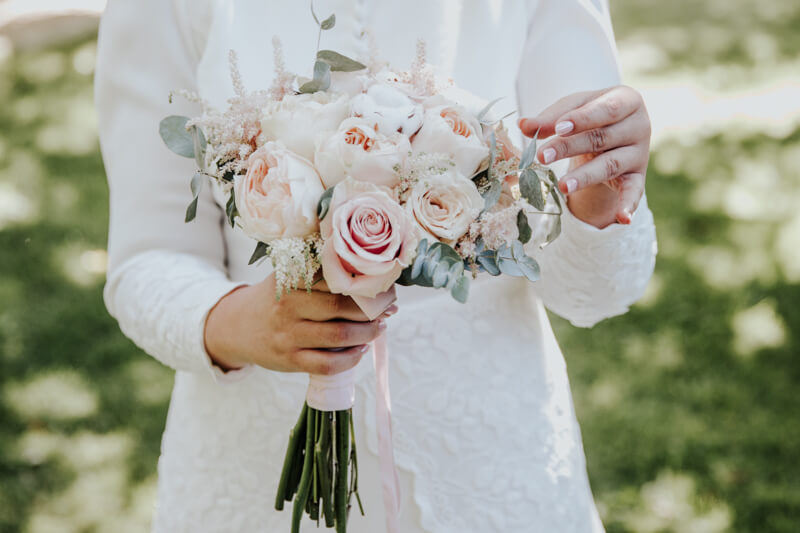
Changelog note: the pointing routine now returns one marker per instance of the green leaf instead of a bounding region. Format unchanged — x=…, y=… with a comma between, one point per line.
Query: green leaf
x=531, y=188
x=191, y=211
x=488, y=260
x=324, y=203
x=460, y=289
x=328, y=23
x=230, y=209
x=530, y=152
x=339, y=62
x=260, y=251
x=174, y=134
x=419, y=260
x=440, y=275
x=199, y=147
x=198, y=180
x=554, y=232
x=507, y=263
x=492, y=194
x=525, y=231
x=313, y=14
x=483, y=112
x=529, y=268
x=321, y=81
x=431, y=260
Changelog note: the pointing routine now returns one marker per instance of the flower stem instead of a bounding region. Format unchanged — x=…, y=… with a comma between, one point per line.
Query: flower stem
x=322, y=456
x=305, y=479
x=342, y=460
x=294, y=438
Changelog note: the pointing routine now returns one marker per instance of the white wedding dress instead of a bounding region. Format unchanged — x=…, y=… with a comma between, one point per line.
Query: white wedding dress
x=485, y=434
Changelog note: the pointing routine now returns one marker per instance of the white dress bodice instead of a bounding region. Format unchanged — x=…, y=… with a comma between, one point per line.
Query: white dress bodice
x=485, y=433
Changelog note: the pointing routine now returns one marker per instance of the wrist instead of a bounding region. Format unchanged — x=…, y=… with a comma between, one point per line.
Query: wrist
x=219, y=329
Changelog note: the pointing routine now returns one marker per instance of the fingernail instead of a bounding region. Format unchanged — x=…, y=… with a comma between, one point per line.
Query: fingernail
x=548, y=155
x=571, y=185
x=382, y=325
x=364, y=348
x=625, y=217
x=521, y=123
x=564, y=127
x=391, y=310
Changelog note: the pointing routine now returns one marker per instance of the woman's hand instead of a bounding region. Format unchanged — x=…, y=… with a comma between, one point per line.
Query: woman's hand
x=607, y=133
x=292, y=334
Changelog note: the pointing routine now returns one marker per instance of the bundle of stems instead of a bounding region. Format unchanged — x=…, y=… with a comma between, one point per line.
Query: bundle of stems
x=320, y=471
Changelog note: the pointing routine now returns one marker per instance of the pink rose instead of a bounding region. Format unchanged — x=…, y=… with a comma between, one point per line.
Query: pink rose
x=368, y=240
x=278, y=196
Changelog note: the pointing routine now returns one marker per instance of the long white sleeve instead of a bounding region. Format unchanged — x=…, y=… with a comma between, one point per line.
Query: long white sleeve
x=588, y=274
x=164, y=275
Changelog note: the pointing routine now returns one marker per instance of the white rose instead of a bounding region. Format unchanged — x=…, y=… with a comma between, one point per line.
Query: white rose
x=388, y=110
x=277, y=197
x=350, y=83
x=451, y=130
x=356, y=150
x=444, y=205
x=297, y=120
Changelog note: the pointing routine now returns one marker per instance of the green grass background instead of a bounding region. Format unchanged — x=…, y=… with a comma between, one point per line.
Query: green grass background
x=688, y=404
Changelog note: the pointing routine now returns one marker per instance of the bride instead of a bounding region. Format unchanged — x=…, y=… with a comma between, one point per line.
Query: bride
x=485, y=434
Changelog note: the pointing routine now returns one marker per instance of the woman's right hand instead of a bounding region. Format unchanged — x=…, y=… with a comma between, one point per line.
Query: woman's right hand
x=292, y=334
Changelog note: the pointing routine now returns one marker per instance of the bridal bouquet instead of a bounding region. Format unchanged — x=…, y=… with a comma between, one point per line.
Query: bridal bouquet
x=374, y=177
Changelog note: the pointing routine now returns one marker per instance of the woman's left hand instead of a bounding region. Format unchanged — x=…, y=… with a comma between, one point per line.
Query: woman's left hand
x=607, y=133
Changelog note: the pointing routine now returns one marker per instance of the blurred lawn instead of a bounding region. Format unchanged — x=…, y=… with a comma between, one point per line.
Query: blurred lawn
x=688, y=404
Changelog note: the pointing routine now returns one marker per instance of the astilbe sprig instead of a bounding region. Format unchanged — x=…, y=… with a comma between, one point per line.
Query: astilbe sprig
x=295, y=260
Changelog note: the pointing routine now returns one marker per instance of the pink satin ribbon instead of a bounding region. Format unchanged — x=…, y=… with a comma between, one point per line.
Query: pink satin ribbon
x=383, y=420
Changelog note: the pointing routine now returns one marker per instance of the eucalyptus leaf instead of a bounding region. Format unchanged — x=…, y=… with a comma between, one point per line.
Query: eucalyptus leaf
x=483, y=112
x=321, y=81
x=530, y=153
x=552, y=177
x=230, y=209
x=198, y=180
x=313, y=14
x=431, y=260
x=492, y=194
x=174, y=134
x=531, y=188
x=507, y=263
x=488, y=260
x=529, y=267
x=191, y=211
x=324, y=203
x=339, y=62
x=260, y=251
x=199, y=147
x=524, y=227
x=440, y=275
x=460, y=289
x=556, y=197
x=328, y=23
x=419, y=260
x=554, y=232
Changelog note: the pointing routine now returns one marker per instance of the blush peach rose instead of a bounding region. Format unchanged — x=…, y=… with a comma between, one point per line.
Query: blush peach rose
x=450, y=129
x=357, y=150
x=277, y=197
x=368, y=240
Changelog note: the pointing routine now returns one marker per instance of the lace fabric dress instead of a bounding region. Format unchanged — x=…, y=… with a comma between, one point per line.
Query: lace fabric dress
x=485, y=434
